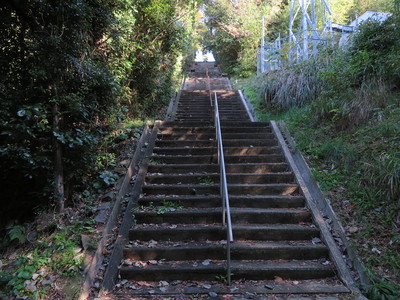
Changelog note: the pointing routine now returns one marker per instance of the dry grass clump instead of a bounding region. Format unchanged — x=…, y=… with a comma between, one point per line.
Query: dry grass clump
x=295, y=86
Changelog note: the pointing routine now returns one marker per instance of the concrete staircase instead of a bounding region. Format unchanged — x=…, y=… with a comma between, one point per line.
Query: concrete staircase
x=178, y=232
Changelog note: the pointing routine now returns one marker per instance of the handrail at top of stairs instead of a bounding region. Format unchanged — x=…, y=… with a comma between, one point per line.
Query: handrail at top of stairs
x=209, y=89
x=226, y=211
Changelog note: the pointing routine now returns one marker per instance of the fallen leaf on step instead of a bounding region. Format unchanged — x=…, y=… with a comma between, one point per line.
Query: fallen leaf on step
x=128, y=262
x=152, y=244
x=353, y=229
x=269, y=287
x=163, y=283
x=375, y=250
x=316, y=240
x=132, y=287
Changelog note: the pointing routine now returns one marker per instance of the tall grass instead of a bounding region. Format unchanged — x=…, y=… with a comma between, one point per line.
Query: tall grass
x=295, y=86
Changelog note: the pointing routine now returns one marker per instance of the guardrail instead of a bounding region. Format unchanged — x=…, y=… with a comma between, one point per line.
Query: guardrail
x=226, y=211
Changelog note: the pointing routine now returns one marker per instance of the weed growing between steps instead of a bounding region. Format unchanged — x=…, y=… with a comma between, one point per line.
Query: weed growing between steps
x=44, y=259
x=166, y=206
x=206, y=181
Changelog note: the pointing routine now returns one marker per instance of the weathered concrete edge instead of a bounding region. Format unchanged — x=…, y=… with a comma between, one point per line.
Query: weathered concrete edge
x=248, y=106
x=336, y=256
x=324, y=204
x=92, y=269
x=111, y=274
x=170, y=114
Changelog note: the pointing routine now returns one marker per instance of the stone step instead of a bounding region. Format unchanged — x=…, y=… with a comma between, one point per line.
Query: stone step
x=213, y=159
x=213, y=189
x=253, y=289
x=241, y=178
x=233, y=117
x=246, y=136
x=188, y=136
x=264, y=189
x=195, y=112
x=180, y=130
x=183, y=168
x=248, y=250
x=188, y=143
x=246, y=129
x=175, y=251
x=252, y=150
x=214, y=215
x=184, y=159
x=249, y=142
x=181, y=189
x=193, y=118
x=185, y=151
x=209, y=143
x=246, y=124
x=215, y=232
x=214, y=168
x=178, y=124
x=261, y=158
x=195, y=270
x=235, y=201
x=197, y=107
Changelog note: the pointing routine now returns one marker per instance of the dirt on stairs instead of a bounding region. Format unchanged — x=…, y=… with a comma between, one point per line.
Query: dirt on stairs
x=177, y=247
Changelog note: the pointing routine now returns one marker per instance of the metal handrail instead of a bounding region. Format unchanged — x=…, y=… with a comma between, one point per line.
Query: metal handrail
x=209, y=88
x=226, y=211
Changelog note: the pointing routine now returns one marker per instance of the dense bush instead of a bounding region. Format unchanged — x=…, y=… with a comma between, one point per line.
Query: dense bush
x=69, y=71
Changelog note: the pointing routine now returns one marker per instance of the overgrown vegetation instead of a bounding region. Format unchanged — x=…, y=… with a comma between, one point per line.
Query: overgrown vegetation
x=70, y=72
x=343, y=108
x=77, y=80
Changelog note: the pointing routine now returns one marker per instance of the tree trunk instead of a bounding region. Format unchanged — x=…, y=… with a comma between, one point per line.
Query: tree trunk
x=58, y=165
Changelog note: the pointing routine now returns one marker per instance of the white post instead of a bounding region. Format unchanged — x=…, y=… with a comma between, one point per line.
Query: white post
x=263, y=45
x=315, y=36
x=305, y=29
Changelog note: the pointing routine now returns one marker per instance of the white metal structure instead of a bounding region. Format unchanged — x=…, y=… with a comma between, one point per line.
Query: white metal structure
x=310, y=24
x=315, y=18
